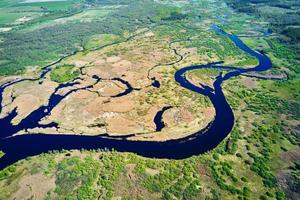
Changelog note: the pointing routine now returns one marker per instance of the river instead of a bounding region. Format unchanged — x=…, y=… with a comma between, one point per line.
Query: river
x=22, y=146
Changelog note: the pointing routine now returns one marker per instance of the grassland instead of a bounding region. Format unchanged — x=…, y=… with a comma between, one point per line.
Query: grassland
x=64, y=73
x=258, y=160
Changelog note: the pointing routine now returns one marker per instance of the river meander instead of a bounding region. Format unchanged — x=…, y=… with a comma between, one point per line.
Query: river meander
x=21, y=146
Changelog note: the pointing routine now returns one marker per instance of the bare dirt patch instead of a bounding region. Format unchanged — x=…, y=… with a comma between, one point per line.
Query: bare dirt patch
x=113, y=59
x=34, y=186
x=248, y=82
x=120, y=105
x=291, y=156
x=120, y=125
x=151, y=172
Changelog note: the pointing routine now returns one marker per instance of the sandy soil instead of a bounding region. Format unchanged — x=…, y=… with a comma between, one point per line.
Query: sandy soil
x=28, y=97
x=96, y=111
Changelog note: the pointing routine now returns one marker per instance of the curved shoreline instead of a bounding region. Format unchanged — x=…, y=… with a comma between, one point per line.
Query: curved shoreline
x=158, y=118
x=22, y=146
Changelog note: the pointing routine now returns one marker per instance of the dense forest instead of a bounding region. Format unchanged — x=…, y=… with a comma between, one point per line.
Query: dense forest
x=283, y=16
x=30, y=46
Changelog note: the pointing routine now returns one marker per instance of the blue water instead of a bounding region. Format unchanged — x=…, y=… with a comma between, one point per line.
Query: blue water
x=155, y=83
x=22, y=146
x=158, y=118
x=128, y=90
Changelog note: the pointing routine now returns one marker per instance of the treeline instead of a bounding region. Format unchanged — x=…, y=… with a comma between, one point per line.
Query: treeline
x=280, y=21
x=44, y=45
x=47, y=44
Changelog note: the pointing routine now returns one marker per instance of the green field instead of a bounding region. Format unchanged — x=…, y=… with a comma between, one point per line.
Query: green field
x=258, y=160
x=64, y=73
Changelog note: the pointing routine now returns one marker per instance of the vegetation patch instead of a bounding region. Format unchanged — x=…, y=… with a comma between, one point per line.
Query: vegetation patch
x=64, y=73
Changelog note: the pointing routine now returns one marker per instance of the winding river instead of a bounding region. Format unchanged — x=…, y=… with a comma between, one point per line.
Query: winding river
x=22, y=146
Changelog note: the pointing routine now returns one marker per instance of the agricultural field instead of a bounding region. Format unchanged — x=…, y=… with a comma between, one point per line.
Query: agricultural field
x=149, y=99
